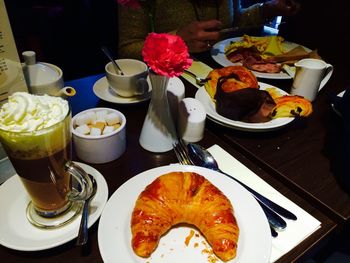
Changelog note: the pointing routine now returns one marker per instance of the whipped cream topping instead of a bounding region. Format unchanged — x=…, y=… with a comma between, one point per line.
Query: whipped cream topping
x=28, y=112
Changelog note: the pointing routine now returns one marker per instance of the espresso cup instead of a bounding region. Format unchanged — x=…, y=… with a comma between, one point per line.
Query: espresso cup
x=42, y=160
x=310, y=77
x=133, y=82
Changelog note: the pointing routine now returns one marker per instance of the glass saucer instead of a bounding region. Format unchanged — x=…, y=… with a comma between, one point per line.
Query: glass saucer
x=53, y=222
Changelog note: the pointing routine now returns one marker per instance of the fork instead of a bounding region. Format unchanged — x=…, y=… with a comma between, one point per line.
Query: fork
x=181, y=153
x=199, y=81
x=275, y=221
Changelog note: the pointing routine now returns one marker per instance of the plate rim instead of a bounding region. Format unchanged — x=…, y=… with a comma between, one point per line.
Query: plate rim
x=147, y=177
x=71, y=229
x=218, y=55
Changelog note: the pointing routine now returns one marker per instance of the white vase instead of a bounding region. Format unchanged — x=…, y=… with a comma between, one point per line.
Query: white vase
x=158, y=131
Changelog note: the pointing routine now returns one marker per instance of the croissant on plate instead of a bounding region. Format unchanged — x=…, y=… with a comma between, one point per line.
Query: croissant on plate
x=184, y=197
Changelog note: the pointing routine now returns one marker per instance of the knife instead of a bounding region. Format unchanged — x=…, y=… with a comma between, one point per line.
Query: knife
x=275, y=221
x=265, y=201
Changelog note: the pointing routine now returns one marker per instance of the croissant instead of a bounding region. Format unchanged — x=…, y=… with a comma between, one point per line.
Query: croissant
x=184, y=197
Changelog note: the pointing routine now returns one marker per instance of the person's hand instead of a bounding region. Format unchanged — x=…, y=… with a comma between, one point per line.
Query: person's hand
x=200, y=35
x=281, y=7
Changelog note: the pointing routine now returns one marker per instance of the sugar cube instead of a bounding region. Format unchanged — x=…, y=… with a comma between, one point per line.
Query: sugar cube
x=95, y=131
x=81, y=119
x=99, y=125
x=116, y=126
x=108, y=129
x=112, y=118
x=83, y=129
x=101, y=115
x=91, y=116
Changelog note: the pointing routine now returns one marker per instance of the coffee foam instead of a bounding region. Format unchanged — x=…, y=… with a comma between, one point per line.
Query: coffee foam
x=28, y=112
x=31, y=126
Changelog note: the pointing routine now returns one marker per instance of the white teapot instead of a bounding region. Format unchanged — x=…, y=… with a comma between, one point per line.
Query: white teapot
x=44, y=78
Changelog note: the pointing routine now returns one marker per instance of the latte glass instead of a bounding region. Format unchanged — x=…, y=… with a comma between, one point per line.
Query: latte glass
x=42, y=159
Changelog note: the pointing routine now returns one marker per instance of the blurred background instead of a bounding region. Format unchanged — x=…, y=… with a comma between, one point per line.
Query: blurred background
x=70, y=33
x=67, y=33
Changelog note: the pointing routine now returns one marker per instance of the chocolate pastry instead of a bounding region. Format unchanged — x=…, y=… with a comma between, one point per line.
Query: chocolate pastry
x=248, y=104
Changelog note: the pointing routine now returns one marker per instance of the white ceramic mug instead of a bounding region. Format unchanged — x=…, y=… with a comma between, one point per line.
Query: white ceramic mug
x=134, y=80
x=310, y=77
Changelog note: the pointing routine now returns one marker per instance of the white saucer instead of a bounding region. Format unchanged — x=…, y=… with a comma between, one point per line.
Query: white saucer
x=17, y=233
x=104, y=92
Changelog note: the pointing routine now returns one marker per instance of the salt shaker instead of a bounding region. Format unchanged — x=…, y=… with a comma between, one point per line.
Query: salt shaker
x=191, y=120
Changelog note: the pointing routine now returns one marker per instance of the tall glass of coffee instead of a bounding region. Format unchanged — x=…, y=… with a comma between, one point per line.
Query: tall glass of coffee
x=35, y=133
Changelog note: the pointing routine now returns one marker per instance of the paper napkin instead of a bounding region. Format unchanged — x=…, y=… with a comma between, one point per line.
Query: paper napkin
x=296, y=231
x=199, y=69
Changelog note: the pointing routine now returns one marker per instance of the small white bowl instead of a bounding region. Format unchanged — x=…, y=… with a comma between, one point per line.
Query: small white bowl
x=100, y=148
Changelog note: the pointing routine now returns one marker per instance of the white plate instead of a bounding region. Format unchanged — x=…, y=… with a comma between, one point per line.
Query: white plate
x=104, y=92
x=218, y=54
x=17, y=233
x=209, y=106
x=114, y=233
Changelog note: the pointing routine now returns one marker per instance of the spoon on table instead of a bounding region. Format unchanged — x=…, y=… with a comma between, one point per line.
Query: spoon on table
x=83, y=229
x=202, y=157
x=109, y=55
x=199, y=81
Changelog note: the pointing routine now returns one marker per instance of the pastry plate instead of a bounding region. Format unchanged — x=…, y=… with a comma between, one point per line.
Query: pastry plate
x=114, y=233
x=209, y=106
x=218, y=54
x=17, y=233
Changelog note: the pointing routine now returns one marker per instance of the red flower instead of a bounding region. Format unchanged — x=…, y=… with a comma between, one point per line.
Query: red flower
x=134, y=4
x=166, y=54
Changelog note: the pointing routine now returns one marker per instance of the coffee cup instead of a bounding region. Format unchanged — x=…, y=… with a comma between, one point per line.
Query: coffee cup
x=39, y=149
x=133, y=82
x=310, y=77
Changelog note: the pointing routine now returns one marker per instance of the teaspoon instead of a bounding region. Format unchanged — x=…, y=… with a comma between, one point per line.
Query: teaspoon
x=83, y=229
x=116, y=66
x=201, y=157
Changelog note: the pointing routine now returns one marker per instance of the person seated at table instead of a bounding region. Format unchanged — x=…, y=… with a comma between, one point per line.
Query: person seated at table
x=197, y=21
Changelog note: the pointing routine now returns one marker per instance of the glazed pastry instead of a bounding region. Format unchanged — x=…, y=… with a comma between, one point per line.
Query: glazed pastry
x=238, y=77
x=291, y=106
x=184, y=197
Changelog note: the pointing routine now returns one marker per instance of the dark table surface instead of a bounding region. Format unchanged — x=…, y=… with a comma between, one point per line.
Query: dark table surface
x=306, y=155
x=294, y=160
